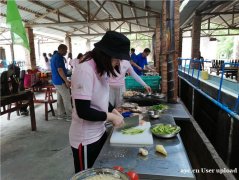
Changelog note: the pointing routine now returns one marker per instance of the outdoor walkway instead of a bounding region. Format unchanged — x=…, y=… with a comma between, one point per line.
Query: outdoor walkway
x=41, y=155
x=229, y=86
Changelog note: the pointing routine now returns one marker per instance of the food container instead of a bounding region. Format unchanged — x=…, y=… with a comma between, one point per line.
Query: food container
x=204, y=75
x=101, y=172
x=126, y=114
x=150, y=113
x=165, y=135
x=154, y=114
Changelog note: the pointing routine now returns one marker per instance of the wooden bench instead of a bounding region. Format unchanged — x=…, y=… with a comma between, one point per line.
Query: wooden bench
x=17, y=99
x=229, y=71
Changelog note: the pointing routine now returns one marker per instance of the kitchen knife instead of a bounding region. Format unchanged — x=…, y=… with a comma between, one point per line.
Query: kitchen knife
x=130, y=122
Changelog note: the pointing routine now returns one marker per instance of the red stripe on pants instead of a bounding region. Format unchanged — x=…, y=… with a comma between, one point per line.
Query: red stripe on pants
x=80, y=150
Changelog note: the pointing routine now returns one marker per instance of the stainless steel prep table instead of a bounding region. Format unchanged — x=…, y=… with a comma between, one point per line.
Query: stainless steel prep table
x=154, y=166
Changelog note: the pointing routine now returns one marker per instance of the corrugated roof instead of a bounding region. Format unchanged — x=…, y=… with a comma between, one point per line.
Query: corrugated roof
x=71, y=16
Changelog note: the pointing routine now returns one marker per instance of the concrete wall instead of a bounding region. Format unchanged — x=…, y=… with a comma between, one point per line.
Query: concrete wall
x=216, y=139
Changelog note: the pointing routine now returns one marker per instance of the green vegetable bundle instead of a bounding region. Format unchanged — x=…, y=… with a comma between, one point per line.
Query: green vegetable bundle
x=160, y=107
x=132, y=131
x=165, y=129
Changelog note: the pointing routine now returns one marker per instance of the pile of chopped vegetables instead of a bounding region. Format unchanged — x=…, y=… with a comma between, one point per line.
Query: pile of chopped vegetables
x=160, y=107
x=132, y=131
x=165, y=129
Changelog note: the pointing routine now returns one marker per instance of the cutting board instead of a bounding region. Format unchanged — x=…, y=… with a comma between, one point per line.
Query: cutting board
x=144, y=138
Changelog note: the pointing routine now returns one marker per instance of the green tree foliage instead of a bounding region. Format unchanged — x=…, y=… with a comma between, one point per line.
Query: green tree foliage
x=225, y=46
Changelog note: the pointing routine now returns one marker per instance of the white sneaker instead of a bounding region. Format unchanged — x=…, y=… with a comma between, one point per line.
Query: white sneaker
x=68, y=118
x=60, y=117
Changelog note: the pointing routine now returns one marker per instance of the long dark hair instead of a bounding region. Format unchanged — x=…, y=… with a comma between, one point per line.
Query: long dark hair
x=102, y=60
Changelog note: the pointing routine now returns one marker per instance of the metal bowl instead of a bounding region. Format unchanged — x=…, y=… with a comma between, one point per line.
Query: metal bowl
x=150, y=113
x=84, y=175
x=170, y=135
x=155, y=116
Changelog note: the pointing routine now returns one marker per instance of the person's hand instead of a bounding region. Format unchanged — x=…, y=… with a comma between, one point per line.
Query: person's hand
x=139, y=68
x=148, y=89
x=68, y=84
x=118, y=121
x=116, y=112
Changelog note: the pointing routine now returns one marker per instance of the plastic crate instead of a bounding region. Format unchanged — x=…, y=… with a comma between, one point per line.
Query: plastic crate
x=152, y=81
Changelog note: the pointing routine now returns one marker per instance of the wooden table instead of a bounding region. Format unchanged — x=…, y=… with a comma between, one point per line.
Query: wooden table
x=17, y=99
x=48, y=89
x=229, y=71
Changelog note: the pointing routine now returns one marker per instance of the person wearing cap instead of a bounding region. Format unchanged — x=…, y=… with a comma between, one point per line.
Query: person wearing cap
x=90, y=96
x=117, y=84
x=141, y=62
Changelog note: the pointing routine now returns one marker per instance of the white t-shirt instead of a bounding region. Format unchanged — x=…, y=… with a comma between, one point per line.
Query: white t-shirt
x=48, y=65
x=73, y=63
x=125, y=67
x=88, y=85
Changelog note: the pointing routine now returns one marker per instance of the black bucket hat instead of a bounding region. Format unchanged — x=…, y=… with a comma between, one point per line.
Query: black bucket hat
x=114, y=44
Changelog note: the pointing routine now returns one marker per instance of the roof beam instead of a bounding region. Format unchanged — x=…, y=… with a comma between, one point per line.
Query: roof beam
x=120, y=11
x=49, y=8
x=133, y=6
x=119, y=26
x=224, y=21
x=133, y=11
x=213, y=29
x=101, y=34
x=96, y=2
x=72, y=3
x=25, y=21
x=44, y=15
x=101, y=6
x=59, y=13
x=219, y=13
x=85, y=22
x=146, y=13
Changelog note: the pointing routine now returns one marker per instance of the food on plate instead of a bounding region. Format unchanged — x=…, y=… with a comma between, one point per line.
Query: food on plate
x=159, y=148
x=129, y=105
x=132, y=131
x=136, y=110
x=103, y=177
x=165, y=129
x=159, y=107
x=143, y=151
x=130, y=93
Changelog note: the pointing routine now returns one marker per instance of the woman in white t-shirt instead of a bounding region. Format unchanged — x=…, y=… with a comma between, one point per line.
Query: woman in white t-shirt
x=117, y=84
x=69, y=58
x=90, y=96
x=73, y=62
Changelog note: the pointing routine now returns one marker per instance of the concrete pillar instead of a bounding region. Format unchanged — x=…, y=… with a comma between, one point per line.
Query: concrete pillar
x=157, y=46
x=196, y=34
x=163, y=53
x=68, y=43
x=12, y=48
x=30, y=55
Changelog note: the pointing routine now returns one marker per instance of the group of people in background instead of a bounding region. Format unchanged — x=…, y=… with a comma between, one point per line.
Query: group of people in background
x=95, y=90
